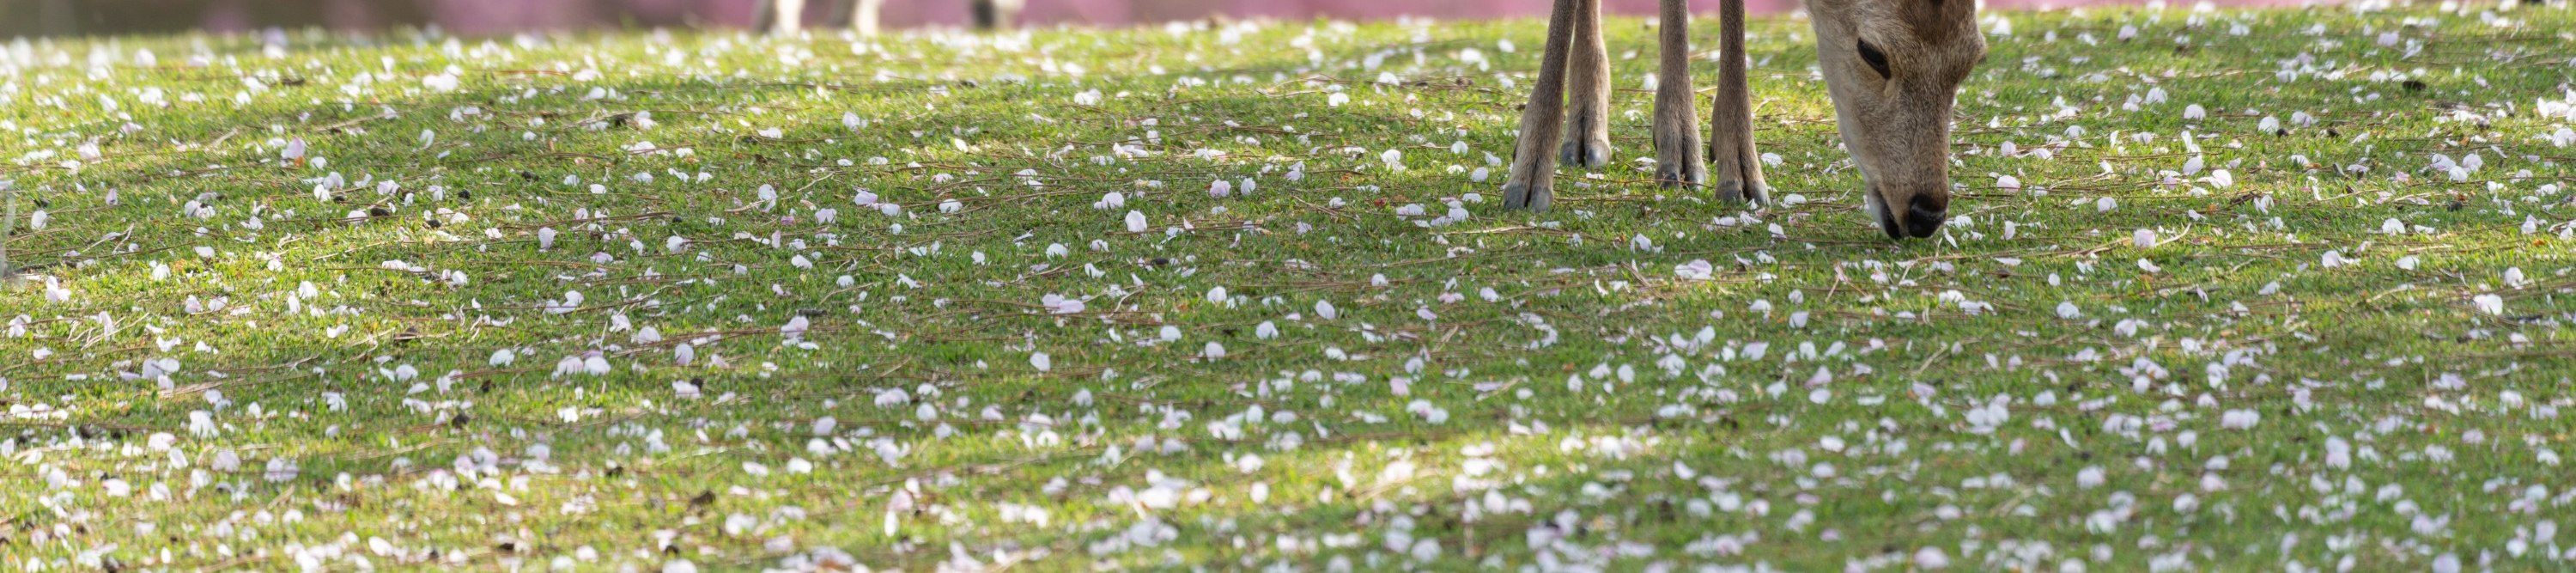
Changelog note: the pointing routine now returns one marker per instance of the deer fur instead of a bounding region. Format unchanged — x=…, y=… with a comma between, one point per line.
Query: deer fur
x=1896, y=123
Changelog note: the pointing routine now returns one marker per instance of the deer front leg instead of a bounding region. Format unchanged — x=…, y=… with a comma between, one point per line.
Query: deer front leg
x=1731, y=156
x=1533, y=159
x=1677, y=135
x=1588, y=75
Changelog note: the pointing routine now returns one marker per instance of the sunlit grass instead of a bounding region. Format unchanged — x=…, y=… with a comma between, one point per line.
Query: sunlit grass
x=2277, y=379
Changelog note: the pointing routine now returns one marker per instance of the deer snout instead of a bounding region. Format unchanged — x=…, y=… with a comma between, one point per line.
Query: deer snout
x=1918, y=216
x=1925, y=213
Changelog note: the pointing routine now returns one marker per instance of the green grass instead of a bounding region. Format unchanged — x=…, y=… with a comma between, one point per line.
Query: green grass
x=2028, y=390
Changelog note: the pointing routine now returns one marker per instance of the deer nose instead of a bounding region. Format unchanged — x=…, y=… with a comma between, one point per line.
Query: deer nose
x=1925, y=214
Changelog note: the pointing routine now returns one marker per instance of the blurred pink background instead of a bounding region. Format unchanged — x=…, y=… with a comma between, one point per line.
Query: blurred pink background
x=481, y=16
x=477, y=17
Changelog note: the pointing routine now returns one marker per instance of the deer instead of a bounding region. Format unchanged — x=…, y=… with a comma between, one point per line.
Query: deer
x=1891, y=67
x=784, y=17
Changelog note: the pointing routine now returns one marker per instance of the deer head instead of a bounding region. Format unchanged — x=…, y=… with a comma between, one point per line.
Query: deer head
x=1893, y=68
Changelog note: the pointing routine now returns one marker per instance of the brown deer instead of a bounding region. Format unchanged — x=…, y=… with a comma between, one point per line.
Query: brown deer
x=785, y=16
x=1893, y=68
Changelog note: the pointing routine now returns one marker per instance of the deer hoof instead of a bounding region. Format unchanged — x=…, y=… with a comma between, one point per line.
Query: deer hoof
x=1584, y=153
x=1526, y=195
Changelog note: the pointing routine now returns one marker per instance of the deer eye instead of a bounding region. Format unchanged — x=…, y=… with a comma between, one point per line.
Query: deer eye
x=1877, y=60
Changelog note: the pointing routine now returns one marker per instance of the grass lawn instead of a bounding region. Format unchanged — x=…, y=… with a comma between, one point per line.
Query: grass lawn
x=2272, y=290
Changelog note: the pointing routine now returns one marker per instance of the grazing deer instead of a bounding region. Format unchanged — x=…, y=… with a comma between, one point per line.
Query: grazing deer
x=785, y=16
x=1891, y=66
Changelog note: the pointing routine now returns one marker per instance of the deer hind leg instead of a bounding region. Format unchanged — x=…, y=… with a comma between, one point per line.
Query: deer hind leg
x=995, y=14
x=864, y=16
x=1533, y=173
x=782, y=17
x=1732, y=158
x=1588, y=77
x=1677, y=130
